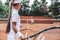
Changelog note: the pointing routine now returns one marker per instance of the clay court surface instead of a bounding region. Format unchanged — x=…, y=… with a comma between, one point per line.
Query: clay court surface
x=33, y=29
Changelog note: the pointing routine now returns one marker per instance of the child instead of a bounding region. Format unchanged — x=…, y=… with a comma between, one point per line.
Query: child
x=14, y=32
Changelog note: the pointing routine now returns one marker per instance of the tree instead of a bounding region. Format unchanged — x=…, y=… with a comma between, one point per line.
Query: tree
x=43, y=8
x=39, y=8
x=6, y=10
x=43, y=1
x=24, y=8
x=1, y=9
x=8, y=1
x=54, y=8
x=35, y=8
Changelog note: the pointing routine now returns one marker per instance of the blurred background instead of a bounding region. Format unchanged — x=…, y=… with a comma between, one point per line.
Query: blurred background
x=34, y=14
x=33, y=8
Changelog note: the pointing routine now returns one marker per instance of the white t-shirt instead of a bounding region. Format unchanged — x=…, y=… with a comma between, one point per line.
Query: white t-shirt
x=14, y=18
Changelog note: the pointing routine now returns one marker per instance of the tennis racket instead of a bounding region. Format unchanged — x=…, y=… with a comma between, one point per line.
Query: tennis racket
x=52, y=33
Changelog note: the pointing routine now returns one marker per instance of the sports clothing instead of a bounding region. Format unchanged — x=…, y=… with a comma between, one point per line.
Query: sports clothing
x=14, y=18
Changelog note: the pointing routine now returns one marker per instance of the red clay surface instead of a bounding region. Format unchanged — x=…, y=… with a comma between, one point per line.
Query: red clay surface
x=34, y=28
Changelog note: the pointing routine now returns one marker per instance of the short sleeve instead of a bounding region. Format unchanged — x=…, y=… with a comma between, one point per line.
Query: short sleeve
x=14, y=17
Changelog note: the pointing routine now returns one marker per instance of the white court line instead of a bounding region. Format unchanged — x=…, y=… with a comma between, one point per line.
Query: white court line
x=40, y=36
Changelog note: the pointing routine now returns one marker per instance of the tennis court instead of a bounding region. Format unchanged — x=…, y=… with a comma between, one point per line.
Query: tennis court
x=32, y=29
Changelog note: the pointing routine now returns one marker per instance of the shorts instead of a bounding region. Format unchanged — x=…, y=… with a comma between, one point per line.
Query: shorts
x=12, y=38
